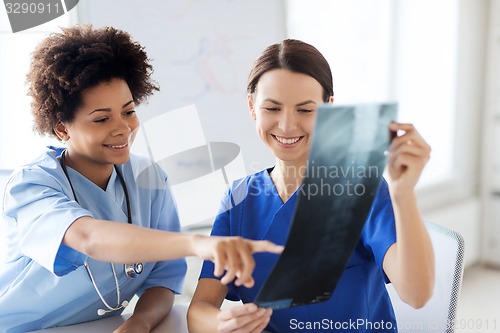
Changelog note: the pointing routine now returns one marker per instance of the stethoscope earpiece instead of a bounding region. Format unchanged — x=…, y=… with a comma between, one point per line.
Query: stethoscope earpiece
x=102, y=312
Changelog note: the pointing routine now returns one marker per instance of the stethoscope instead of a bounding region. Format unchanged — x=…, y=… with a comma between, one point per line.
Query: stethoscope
x=131, y=270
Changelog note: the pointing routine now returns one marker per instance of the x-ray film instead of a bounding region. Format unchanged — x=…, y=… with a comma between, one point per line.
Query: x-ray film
x=344, y=170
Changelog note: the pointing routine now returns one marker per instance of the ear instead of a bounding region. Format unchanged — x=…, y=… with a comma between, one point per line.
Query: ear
x=330, y=100
x=61, y=132
x=251, y=106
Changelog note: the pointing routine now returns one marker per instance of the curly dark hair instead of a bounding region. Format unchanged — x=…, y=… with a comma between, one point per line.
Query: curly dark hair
x=81, y=57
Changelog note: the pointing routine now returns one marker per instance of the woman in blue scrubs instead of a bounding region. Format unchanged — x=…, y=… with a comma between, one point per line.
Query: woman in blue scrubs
x=91, y=225
x=287, y=83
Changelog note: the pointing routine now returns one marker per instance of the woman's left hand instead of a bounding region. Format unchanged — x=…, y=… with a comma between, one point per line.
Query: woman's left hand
x=408, y=154
x=133, y=324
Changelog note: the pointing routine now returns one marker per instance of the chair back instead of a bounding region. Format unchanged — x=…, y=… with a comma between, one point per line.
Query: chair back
x=439, y=313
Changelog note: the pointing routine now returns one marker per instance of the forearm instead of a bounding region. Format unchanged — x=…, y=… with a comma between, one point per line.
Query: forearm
x=125, y=243
x=205, y=306
x=153, y=306
x=202, y=317
x=204, y=314
x=413, y=255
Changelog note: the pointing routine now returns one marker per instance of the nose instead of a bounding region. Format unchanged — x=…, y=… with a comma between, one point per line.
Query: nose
x=123, y=127
x=287, y=121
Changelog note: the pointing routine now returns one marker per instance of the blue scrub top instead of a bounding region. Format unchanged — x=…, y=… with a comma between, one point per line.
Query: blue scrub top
x=252, y=208
x=43, y=282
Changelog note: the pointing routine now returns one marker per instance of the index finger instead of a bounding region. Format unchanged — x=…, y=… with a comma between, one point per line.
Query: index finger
x=407, y=128
x=401, y=126
x=265, y=246
x=410, y=132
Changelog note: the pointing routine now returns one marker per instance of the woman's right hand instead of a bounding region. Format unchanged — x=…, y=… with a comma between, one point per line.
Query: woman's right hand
x=247, y=318
x=233, y=255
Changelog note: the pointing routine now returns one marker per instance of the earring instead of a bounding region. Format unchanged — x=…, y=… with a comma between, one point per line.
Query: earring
x=252, y=114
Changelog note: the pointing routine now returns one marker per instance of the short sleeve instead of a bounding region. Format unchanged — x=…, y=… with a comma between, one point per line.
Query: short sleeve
x=379, y=232
x=221, y=227
x=37, y=203
x=169, y=274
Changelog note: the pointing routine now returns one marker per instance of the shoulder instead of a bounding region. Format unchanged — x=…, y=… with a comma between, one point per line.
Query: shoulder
x=45, y=171
x=44, y=168
x=256, y=179
x=147, y=173
x=253, y=183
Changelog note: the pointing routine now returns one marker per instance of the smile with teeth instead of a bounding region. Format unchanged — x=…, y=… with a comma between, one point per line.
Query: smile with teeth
x=287, y=141
x=117, y=146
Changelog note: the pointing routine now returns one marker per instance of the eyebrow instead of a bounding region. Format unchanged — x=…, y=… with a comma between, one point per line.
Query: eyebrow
x=109, y=109
x=279, y=103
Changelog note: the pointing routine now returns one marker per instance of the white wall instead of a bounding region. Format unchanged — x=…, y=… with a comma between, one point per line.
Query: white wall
x=461, y=208
x=463, y=217
x=490, y=144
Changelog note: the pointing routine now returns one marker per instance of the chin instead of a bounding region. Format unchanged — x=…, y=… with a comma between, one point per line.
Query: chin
x=121, y=160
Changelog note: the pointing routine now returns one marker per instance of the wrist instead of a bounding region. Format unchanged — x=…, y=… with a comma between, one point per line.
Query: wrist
x=194, y=241
x=402, y=196
x=139, y=323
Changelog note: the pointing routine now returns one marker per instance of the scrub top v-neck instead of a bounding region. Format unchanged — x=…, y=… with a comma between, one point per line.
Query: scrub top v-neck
x=252, y=208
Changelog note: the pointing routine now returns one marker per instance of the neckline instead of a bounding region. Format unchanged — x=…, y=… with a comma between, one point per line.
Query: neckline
x=275, y=189
x=118, y=174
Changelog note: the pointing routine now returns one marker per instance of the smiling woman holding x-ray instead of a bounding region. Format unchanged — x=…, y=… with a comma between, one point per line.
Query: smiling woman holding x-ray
x=287, y=83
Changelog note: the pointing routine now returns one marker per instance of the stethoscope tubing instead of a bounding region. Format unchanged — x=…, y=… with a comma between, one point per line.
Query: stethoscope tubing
x=120, y=177
x=131, y=270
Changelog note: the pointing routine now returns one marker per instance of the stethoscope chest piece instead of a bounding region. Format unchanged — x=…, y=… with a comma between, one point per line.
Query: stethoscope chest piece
x=133, y=270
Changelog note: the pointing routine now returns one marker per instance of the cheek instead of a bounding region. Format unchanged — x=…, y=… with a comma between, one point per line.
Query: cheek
x=263, y=124
x=308, y=125
x=309, y=128
x=134, y=124
x=133, y=134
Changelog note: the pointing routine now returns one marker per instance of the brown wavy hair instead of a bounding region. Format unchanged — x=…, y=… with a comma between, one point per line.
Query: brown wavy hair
x=64, y=64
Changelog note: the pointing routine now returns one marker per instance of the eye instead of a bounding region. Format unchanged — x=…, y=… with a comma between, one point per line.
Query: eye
x=130, y=112
x=306, y=110
x=271, y=109
x=101, y=120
